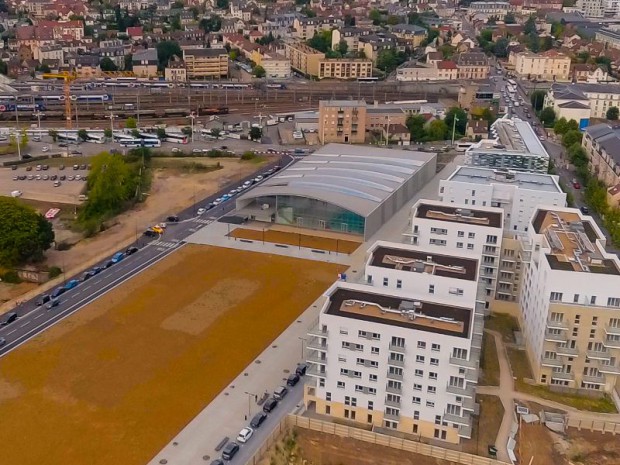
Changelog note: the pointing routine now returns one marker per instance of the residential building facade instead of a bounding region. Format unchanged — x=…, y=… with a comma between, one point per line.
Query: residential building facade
x=602, y=145
x=344, y=68
x=342, y=121
x=303, y=58
x=550, y=65
x=472, y=65
x=206, y=63
x=582, y=101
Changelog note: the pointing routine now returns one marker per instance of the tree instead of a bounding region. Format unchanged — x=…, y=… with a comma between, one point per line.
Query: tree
x=215, y=132
x=393, y=20
x=533, y=42
x=256, y=133
x=23, y=140
x=131, y=123
x=349, y=20
x=43, y=68
x=82, y=134
x=222, y=4
x=187, y=130
x=321, y=41
x=560, y=126
x=530, y=26
x=461, y=120
x=492, y=20
x=111, y=183
x=259, y=71
x=106, y=64
x=500, y=49
x=24, y=234
x=107, y=133
x=161, y=133
x=604, y=62
x=53, y=134
x=547, y=116
x=135, y=133
x=4, y=68
x=375, y=16
x=128, y=65
x=437, y=130
x=546, y=44
x=415, y=124
x=537, y=98
x=388, y=60
x=166, y=50
x=342, y=48
x=572, y=137
x=510, y=18
x=175, y=23
x=612, y=113
x=211, y=24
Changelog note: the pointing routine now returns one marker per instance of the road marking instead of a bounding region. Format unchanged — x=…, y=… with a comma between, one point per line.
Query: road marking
x=38, y=316
x=11, y=332
x=87, y=288
x=24, y=325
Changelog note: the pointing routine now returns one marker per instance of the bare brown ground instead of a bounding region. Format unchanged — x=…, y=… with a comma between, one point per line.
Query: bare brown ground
x=590, y=448
x=535, y=440
x=115, y=382
x=297, y=239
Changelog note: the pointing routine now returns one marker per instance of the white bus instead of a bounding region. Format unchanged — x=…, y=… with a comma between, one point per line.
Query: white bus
x=463, y=146
x=513, y=83
x=95, y=138
x=511, y=89
x=70, y=138
x=176, y=138
x=134, y=143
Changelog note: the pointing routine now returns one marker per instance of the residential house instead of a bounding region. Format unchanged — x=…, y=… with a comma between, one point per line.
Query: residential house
x=602, y=145
x=144, y=63
x=414, y=35
x=550, y=65
x=582, y=101
x=477, y=129
x=472, y=65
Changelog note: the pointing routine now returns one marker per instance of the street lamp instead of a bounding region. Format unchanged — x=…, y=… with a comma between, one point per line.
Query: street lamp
x=111, y=118
x=192, y=116
x=38, y=114
x=302, y=340
x=250, y=395
x=454, y=128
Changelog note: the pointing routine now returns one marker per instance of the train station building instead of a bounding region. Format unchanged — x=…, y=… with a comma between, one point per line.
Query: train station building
x=340, y=188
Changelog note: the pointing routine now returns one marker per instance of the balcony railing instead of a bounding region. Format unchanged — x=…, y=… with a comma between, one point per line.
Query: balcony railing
x=396, y=363
x=458, y=419
x=461, y=391
x=317, y=371
x=608, y=369
x=394, y=376
x=397, y=348
x=317, y=357
x=391, y=416
x=566, y=351
x=465, y=431
x=611, y=344
x=317, y=343
x=394, y=390
x=563, y=376
x=552, y=362
x=593, y=379
x=552, y=337
x=598, y=354
x=553, y=324
x=318, y=331
x=392, y=403
x=612, y=330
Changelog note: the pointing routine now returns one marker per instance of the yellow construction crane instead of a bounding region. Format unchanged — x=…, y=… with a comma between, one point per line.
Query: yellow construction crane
x=68, y=78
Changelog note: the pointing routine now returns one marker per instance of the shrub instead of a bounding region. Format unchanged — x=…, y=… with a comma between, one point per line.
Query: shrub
x=11, y=277
x=63, y=245
x=249, y=155
x=54, y=271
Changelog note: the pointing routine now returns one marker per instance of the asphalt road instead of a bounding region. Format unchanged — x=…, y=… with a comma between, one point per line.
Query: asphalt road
x=32, y=319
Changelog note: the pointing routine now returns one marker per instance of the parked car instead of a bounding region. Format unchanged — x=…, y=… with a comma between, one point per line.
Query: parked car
x=201, y=211
x=270, y=404
x=2, y=341
x=117, y=257
x=217, y=462
x=52, y=303
x=576, y=185
x=172, y=219
x=149, y=233
x=585, y=210
x=280, y=392
x=245, y=434
x=230, y=450
x=42, y=300
x=9, y=318
x=293, y=379
x=58, y=292
x=131, y=251
x=71, y=284
x=301, y=369
x=158, y=229
x=45, y=148
x=258, y=420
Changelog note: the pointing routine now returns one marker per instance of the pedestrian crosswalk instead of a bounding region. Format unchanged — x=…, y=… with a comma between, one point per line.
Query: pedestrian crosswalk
x=203, y=221
x=167, y=244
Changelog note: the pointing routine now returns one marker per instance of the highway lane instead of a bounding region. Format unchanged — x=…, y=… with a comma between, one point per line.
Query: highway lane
x=32, y=319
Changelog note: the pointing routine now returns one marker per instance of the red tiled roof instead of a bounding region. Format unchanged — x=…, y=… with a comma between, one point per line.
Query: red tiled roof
x=446, y=64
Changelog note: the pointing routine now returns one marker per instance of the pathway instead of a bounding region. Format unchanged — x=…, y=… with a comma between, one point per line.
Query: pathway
x=507, y=394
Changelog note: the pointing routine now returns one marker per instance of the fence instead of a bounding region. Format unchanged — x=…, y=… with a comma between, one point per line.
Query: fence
x=599, y=426
x=273, y=438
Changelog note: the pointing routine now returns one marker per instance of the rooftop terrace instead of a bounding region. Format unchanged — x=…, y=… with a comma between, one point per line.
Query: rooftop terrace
x=459, y=215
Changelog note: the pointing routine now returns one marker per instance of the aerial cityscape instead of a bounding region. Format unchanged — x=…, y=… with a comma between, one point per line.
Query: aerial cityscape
x=294, y=232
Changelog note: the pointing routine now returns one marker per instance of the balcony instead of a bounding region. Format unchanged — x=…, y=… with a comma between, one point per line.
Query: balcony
x=394, y=376
x=317, y=343
x=614, y=330
x=611, y=343
x=471, y=376
x=396, y=348
x=392, y=403
x=563, y=376
x=552, y=337
x=593, y=379
x=563, y=325
x=458, y=419
x=316, y=371
x=465, y=431
x=598, y=354
x=566, y=351
x=317, y=357
x=476, y=341
x=608, y=369
x=461, y=391
x=551, y=362
x=396, y=363
x=318, y=331
x=391, y=416
x=471, y=406
x=394, y=390
x=478, y=325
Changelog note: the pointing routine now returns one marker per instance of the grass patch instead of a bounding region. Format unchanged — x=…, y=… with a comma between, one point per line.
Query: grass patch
x=489, y=363
x=184, y=166
x=485, y=426
x=504, y=324
x=521, y=369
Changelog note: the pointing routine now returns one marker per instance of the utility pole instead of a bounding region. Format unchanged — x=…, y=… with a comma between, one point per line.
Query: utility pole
x=192, y=116
x=38, y=115
x=454, y=128
x=17, y=134
x=111, y=117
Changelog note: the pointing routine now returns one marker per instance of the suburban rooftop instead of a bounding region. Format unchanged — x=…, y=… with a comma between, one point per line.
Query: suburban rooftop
x=349, y=302
x=523, y=180
x=458, y=215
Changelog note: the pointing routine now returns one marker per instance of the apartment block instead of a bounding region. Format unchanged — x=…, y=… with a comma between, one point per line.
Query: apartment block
x=342, y=121
x=344, y=68
x=550, y=65
x=517, y=193
x=570, y=302
x=303, y=58
x=602, y=145
x=498, y=9
x=462, y=229
x=514, y=145
x=394, y=355
x=206, y=63
x=582, y=101
x=276, y=66
x=472, y=65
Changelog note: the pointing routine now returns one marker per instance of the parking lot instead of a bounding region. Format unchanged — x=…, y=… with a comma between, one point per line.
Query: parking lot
x=53, y=181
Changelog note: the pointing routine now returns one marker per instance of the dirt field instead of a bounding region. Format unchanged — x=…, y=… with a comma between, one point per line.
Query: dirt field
x=115, y=382
x=311, y=447
x=486, y=425
x=592, y=448
x=537, y=441
x=303, y=240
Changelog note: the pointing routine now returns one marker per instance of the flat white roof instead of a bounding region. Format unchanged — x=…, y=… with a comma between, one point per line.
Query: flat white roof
x=487, y=176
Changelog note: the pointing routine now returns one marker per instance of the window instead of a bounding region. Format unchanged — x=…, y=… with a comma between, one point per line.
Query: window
x=455, y=291
x=419, y=373
x=437, y=242
x=434, y=361
x=372, y=378
x=432, y=375
x=368, y=335
x=431, y=288
x=593, y=300
x=328, y=410
x=344, y=331
x=556, y=296
x=417, y=400
x=492, y=239
x=470, y=246
x=461, y=234
x=342, y=358
x=430, y=404
x=374, y=350
x=417, y=387
x=371, y=405
x=419, y=358
x=399, y=284
x=613, y=302
x=385, y=281
x=471, y=235
x=439, y=231
x=435, y=347
x=459, y=245
x=421, y=345
x=328, y=396
x=340, y=384
x=347, y=400
x=416, y=414
x=431, y=390
x=576, y=298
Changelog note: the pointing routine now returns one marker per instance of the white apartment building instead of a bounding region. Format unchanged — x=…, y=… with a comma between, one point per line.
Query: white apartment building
x=570, y=302
x=550, y=65
x=462, y=229
x=582, y=100
x=514, y=146
x=517, y=193
x=591, y=8
x=402, y=357
x=496, y=8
